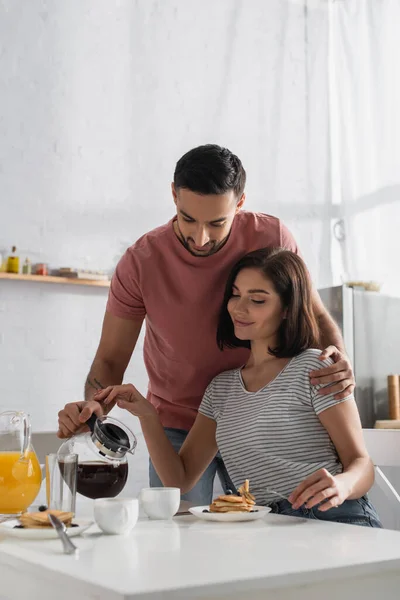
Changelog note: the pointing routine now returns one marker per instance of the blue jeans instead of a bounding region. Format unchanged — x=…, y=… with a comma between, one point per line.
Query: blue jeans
x=352, y=512
x=202, y=492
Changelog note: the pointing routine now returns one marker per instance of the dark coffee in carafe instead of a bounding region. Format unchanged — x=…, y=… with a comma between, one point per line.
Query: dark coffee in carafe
x=101, y=479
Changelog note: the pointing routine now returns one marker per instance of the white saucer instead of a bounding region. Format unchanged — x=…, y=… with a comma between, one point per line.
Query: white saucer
x=259, y=513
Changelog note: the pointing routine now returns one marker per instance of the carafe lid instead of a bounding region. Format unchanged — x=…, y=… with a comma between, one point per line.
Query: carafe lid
x=111, y=437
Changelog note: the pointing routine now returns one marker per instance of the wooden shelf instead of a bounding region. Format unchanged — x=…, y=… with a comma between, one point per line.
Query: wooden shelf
x=387, y=424
x=53, y=279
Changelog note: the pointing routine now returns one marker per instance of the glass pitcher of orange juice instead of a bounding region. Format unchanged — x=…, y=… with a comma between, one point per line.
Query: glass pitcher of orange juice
x=20, y=472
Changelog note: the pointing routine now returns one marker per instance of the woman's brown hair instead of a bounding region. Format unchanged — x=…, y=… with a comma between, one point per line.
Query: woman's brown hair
x=290, y=278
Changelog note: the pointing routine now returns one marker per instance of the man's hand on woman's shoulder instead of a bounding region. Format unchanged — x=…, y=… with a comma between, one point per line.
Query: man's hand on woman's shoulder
x=340, y=374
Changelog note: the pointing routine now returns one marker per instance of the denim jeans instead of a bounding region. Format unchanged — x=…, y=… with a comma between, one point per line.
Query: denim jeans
x=352, y=512
x=202, y=492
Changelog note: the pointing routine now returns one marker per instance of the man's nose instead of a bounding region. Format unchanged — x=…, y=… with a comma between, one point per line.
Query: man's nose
x=201, y=238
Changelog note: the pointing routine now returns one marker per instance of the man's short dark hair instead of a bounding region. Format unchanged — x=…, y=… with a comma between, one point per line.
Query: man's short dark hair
x=210, y=169
x=290, y=278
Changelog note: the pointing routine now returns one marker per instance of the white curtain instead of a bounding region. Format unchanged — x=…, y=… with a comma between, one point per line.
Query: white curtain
x=365, y=116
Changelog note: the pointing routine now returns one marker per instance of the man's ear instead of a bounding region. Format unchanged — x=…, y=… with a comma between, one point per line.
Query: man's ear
x=174, y=194
x=240, y=203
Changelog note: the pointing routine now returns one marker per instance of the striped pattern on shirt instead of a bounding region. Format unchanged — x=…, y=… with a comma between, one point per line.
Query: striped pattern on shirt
x=274, y=436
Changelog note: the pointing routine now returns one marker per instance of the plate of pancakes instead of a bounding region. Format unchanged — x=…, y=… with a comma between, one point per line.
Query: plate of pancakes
x=232, y=507
x=36, y=525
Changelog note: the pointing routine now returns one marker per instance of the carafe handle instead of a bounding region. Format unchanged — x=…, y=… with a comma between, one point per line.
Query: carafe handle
x=91, y=422
x=26, y=423
x=18, y=424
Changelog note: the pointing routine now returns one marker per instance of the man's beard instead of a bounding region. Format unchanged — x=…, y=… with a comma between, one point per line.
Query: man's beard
x=214, y=247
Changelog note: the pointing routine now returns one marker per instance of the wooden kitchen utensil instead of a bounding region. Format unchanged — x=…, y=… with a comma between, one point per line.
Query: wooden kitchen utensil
x=393, y=383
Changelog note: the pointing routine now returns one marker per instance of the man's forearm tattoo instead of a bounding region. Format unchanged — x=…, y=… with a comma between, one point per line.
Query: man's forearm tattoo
x=95, y=384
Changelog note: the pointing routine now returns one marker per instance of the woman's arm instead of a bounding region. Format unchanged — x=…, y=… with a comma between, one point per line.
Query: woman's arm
x=342, y=422
x=181, y=470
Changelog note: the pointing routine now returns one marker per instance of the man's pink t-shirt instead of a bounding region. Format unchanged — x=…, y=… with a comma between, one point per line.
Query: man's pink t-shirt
x=180, y=295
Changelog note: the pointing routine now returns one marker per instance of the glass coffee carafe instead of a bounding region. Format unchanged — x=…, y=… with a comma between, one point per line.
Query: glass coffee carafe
x=102, y=457
x=20, y=472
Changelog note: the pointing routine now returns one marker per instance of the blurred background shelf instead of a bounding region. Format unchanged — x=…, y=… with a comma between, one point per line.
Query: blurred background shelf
x=53, y=279
x=387, y=424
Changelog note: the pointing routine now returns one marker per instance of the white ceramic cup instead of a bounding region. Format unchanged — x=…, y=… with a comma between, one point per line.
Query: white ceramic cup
x=160, y=503
x=116, y=515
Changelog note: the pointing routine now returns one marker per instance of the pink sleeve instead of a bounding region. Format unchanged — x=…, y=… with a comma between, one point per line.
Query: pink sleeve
x=125, y=297
x=288, y=241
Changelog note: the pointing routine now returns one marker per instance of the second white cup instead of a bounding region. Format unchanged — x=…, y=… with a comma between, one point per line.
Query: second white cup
x=160, y=503
x=116, y=515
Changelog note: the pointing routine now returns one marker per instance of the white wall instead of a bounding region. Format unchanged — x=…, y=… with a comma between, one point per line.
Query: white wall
x=98, y=99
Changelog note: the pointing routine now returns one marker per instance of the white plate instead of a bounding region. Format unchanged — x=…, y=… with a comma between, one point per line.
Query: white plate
x=197, y=511
x=7, y=528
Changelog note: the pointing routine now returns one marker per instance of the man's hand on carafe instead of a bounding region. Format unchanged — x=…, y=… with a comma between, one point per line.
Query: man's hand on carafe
x=72, y=418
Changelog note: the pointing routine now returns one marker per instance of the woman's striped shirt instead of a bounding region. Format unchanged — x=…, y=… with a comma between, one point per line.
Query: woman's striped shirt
x=274, y=436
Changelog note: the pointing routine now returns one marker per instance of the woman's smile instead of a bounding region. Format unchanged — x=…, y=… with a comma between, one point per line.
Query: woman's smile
x=238, y=323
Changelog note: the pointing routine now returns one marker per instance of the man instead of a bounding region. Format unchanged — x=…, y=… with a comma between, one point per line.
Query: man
x=174, y=276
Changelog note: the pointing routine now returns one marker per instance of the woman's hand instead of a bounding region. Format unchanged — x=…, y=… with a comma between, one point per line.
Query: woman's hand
x=321, y=486
x=126, y=396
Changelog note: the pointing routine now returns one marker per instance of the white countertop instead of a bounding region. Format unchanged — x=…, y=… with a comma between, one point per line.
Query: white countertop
x=188, y=558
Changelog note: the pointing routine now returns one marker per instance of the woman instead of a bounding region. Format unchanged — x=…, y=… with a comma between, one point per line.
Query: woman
x=267, y=420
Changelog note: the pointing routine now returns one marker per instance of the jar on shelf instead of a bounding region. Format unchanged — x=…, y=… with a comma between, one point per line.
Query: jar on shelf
x=41, y=269
x=27, y=267
x=13, y=261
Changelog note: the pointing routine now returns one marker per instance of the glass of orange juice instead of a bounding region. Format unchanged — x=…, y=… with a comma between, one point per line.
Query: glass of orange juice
x=20, y=472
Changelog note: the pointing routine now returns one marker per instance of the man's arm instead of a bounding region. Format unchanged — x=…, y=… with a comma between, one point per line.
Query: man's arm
x=329, y=330
x=340, y=373
x=117, y=342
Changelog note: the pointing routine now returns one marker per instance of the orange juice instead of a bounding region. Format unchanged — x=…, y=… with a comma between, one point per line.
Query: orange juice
x=20, y=479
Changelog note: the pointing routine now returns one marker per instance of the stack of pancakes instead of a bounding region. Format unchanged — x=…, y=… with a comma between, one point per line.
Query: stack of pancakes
x=38, y=520
x=243, y=502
